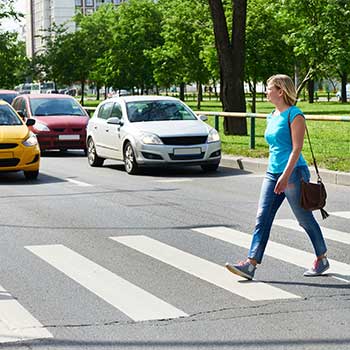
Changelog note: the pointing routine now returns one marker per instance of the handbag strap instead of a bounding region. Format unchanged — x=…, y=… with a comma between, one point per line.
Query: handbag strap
x=312, y=153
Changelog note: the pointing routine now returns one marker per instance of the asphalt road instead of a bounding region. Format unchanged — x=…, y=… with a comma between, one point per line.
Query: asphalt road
x=93, y=258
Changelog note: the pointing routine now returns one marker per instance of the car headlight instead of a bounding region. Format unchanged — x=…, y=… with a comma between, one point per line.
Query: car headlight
x=41, y=127
x=151, y=139
x=30, y=141
x=213, y=136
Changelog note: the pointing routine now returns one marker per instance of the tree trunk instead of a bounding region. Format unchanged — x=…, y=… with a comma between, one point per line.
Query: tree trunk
x=182, y=91
x=344, y=80
x=231, y=59
x=311, y=89
x=82, y=92
x=97, y=92
x=199, y=95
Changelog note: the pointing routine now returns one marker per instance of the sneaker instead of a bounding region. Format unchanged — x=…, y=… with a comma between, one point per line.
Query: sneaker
x=244, y=269
x=318, y=268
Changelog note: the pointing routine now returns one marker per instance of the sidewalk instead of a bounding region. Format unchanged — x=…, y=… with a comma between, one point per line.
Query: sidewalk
x=258, y=165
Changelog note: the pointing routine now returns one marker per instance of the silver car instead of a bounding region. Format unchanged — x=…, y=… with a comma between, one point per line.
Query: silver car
x=147, y=131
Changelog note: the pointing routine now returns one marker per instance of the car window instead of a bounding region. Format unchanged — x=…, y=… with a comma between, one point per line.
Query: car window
x=105, y=111
x=55, y=106
x=8, y=97
x=145, y=111
x=117, y=111
x=8, y=116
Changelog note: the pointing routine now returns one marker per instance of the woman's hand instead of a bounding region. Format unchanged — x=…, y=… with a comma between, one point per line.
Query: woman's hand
x=281, y=184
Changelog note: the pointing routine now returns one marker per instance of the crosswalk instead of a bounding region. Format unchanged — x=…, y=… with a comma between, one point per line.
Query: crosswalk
x=138, y=303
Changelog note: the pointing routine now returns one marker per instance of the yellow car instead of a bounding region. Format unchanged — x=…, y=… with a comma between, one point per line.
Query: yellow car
x=19, y=148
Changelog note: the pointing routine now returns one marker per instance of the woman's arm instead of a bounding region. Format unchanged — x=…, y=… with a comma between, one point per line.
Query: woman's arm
x=297, y=128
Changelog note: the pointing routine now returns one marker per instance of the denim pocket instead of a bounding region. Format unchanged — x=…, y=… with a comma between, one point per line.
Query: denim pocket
x=300, y=172
x=305, y=173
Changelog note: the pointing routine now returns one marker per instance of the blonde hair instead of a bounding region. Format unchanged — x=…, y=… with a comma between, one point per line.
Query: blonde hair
x=285, y=83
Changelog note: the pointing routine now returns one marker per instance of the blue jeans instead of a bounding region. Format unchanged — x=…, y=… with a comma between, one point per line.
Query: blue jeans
x=270, y=202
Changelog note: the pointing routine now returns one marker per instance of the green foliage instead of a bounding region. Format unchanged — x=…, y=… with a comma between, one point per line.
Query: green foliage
x=135, y=30
x=186, y=29
x=13, y=59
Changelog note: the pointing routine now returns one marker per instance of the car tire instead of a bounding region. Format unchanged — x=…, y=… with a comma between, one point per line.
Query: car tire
x=209, y=168
x=31, y=175
x=130, y=163
x=93, y=159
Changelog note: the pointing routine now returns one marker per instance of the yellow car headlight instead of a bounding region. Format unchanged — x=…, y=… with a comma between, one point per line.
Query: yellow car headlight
x=30, y=141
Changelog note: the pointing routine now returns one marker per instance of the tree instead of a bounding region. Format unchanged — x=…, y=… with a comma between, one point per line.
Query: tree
x=337, y=29
x=180, y=57
x=12, y=54
x=134, y=31
x=231, y=53
x=266, y=53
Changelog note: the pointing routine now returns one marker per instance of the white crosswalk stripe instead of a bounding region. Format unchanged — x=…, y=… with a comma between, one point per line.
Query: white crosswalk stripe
x=328, y=233
x=276, y=250
x=342, y=214
x=205, y=270
x=16, y=323
x=132, y=300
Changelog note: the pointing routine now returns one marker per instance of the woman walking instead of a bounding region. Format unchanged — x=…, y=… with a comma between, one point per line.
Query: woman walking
x=286, y=167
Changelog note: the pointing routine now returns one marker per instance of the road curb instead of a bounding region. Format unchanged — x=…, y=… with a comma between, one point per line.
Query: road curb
x=257, y=165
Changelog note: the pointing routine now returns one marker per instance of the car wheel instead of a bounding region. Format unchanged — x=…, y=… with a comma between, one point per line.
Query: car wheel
x=208, y=168
x=31, y=175
x=93, y=159
x=130, y=163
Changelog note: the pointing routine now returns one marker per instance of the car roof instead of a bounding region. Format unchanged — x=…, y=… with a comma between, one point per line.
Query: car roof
x=51, y=96
x=136, y=98
x=8, y=91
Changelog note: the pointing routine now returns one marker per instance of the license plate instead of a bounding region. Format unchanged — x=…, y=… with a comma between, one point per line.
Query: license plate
x=5, y=155
x=182, y=151
x=69, y=137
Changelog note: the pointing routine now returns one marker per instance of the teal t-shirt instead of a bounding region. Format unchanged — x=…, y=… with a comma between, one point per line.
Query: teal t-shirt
x=277, y=135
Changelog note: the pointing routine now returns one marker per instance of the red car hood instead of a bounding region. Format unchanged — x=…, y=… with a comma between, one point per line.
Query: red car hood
x=66, y=121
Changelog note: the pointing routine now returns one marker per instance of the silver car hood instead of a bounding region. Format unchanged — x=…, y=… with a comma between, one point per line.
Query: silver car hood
x=173, y=127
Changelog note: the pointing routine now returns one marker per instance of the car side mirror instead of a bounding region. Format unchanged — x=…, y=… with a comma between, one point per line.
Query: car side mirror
x=30, y=122
x=203, y=118
x=115, y=121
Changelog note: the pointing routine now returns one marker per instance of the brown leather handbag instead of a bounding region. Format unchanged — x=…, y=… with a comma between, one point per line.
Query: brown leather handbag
x=313, y=194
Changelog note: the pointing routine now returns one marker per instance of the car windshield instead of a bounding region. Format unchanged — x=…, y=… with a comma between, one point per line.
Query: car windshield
x=8, y=116
x=148, y=111
x=8, y=97
x=55, y=106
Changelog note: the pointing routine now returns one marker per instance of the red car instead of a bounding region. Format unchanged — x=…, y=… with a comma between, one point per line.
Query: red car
x=60, y=120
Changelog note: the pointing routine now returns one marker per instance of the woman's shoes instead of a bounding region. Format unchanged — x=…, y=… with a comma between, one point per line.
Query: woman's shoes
x=318, y=268
x=244, y=269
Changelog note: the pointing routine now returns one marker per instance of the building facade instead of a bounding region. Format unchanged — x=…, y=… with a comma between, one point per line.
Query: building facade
x=43, y=14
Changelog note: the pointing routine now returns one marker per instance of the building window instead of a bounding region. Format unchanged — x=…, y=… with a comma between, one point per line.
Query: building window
x=89, y=2
x=78, y=3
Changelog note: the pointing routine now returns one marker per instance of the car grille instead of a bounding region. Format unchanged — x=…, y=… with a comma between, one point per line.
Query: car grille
x=9, y=162
x=184, y=140
x=186, y=156
x=67, y=130
x=8, y=145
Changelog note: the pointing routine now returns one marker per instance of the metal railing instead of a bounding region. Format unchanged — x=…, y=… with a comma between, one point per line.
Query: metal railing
x=253, y=116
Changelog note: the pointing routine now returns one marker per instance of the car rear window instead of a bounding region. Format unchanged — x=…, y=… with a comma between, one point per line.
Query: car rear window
x=8, y=116
x=55, y=106
x=8, y=97
x=146, y=111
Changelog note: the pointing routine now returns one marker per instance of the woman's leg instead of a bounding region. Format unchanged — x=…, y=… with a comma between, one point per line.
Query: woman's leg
x=305, y=218
x=269, y=203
